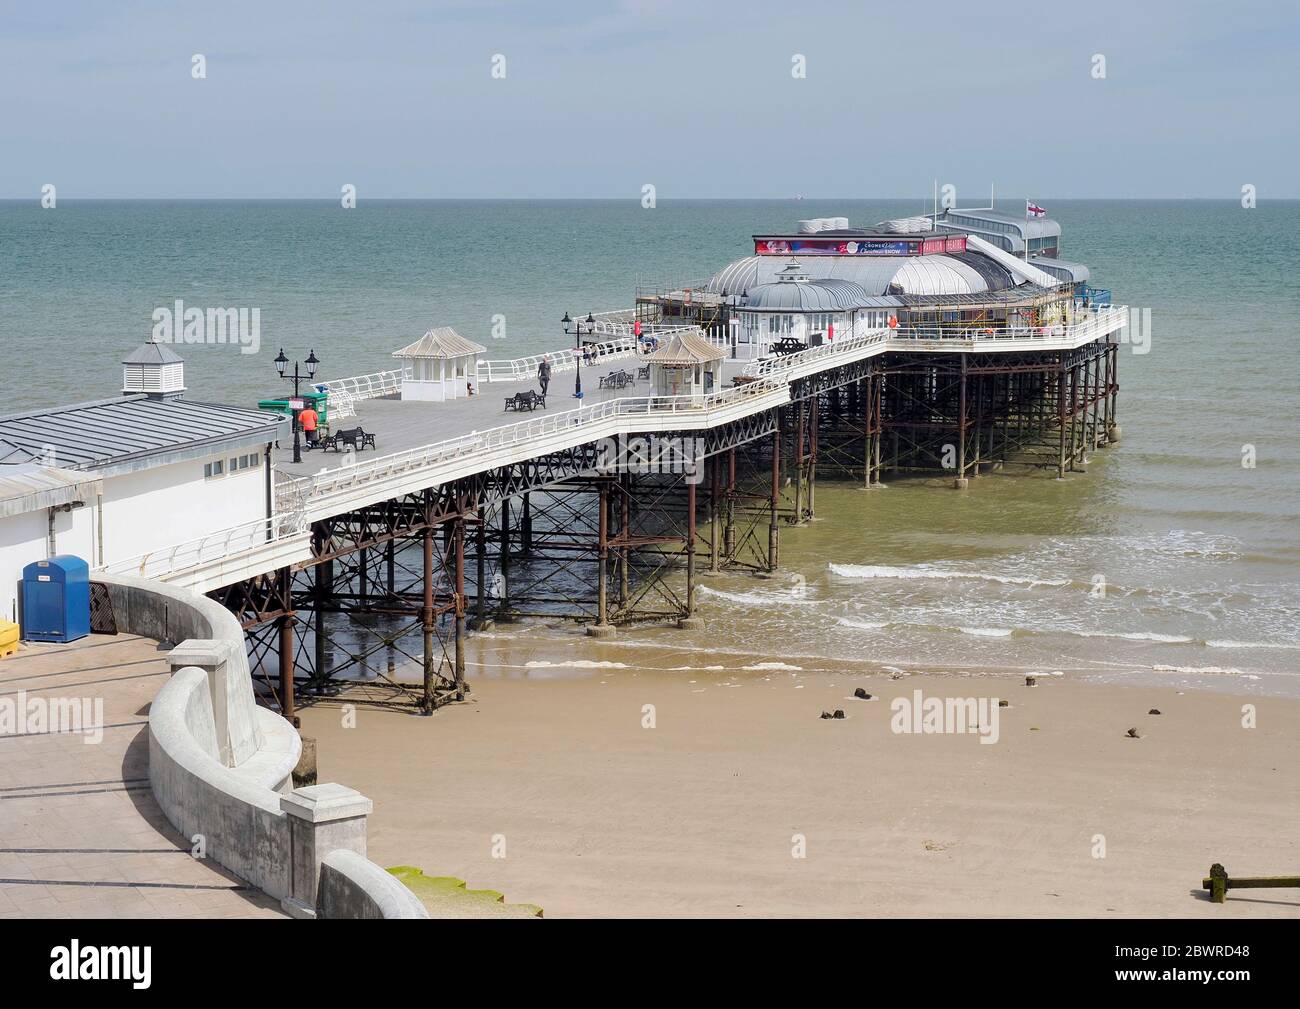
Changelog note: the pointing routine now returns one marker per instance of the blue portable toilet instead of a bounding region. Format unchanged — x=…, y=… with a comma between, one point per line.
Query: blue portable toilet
x=56, y=599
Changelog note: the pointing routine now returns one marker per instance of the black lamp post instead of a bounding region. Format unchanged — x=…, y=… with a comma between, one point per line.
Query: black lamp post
x=577, y=360
x=280, y=363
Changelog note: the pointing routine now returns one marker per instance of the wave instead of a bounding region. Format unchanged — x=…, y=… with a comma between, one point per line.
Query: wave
x=794, y=597
x=763, y=666
x=574, y=664
x=1018, y=632
x=865, y=571
x=1164, y=639
x=1195, y=670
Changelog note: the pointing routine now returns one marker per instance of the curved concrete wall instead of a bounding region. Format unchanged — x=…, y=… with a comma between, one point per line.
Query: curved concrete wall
x=221, y=768
x=354, y=887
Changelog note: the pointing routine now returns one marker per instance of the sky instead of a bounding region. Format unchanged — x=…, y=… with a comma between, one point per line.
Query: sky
x=600, y=98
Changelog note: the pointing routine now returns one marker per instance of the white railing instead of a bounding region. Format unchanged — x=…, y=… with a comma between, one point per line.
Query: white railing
x=1090, y=325
x=778, y=367
x=522, y=369
x=359, y=387
x=349, y=477
x=214, y=546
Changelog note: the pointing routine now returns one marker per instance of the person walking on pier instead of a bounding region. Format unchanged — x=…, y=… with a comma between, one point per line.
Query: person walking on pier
x=544, y=373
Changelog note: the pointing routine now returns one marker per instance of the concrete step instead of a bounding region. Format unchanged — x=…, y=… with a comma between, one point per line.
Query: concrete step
x=448, y=897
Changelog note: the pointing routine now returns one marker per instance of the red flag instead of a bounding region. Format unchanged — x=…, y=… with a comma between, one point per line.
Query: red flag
x=830, y=331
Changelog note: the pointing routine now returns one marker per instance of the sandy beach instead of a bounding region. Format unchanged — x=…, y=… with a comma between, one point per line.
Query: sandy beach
x=704, y=813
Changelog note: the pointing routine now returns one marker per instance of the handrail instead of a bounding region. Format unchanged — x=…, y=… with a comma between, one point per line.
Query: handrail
x=521, y=369
x=372, y=386
x=345, y=477
x=1097, y=320
x=783, y=365
x=210, y=547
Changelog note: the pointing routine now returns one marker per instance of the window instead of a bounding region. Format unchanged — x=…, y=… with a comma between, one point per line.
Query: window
x=214, y=469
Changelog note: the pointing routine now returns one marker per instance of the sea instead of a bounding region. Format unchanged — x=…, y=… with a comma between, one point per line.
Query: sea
x=1191, y=523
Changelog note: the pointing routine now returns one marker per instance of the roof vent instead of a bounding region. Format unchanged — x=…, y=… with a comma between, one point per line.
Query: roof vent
x=816, y=224
x=793, y=273
x=155, y=371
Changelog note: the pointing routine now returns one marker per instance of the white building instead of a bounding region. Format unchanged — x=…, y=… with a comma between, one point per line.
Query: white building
x=439, y=365
x=112, y=479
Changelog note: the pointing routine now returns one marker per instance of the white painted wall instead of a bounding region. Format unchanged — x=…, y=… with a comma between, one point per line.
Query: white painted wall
x=138, y=512
x=174, y=504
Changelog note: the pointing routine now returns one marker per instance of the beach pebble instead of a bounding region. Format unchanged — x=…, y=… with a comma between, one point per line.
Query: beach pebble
x=1004, y=704
x=1154, y=711
x=861, y=694
x=839, y=713
x=826, y=714
x=1031, y=681
x=1134, y=734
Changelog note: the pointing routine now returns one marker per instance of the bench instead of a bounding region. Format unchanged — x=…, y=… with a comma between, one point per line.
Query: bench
x=788, y=345
x=617, y=380
x=528, y=400
x=643, y=371
x=351, y=437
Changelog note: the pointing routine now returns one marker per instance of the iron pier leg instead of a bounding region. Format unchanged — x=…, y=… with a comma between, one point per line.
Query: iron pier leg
x=772, y=529
x=602, y=628
x=481, y=621
x=286, y=652
x=426, y=620
x=461, y=689
x=715, y=484
x=688, y=621
x=729, y=526
x=503, y=609
x=813, y=422
x=526, y=526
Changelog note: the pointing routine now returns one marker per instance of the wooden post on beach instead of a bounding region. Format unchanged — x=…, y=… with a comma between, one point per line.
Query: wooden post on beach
x=460, y=606
x=426, y=621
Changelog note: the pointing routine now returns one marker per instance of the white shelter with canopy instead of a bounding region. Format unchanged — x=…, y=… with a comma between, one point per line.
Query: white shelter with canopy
x=686, y=365
x=439, y=365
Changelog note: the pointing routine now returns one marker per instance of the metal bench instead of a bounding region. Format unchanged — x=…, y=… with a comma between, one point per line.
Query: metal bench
x=352, y=437
x=617, y=380
x=529, y=399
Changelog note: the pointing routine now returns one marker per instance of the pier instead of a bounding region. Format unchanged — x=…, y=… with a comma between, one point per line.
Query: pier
x=460, y=517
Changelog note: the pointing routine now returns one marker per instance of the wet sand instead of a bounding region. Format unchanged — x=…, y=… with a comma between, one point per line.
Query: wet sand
x=702, y=814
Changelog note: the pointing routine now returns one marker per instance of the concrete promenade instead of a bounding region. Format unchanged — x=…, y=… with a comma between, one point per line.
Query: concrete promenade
x=80, y=833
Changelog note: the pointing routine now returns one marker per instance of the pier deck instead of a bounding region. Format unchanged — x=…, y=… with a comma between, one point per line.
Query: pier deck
x=399, y=425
